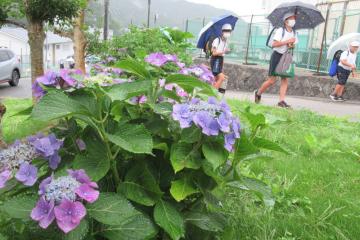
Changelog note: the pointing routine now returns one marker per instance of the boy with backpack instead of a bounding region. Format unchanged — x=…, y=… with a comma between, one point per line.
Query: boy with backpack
x=346, y=65
x=219, y=47
x=284, y=39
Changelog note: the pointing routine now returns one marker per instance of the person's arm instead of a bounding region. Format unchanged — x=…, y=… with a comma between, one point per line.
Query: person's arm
x=278, y=39
x=214, y=50
x=347, y=64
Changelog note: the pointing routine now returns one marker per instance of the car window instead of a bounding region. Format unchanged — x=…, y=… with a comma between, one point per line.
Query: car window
x=4, y=56
x=11, y=54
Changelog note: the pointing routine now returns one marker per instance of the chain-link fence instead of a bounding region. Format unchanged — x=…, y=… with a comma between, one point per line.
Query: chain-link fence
x=248, y=42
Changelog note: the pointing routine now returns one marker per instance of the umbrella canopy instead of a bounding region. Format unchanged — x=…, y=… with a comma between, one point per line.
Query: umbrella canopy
x=213, y=28
x=342, y=43
x=308, y=16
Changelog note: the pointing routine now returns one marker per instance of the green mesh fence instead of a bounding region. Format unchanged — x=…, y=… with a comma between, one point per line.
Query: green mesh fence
x=252, y=48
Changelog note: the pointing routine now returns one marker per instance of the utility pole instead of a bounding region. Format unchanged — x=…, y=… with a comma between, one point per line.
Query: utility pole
x=106, y=19
x=148, y=20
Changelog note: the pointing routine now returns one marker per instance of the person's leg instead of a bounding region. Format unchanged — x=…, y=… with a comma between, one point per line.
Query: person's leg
x=283, y=88
x=269, y=82
x=337, y=90
x=219, y=79
x=341, y=90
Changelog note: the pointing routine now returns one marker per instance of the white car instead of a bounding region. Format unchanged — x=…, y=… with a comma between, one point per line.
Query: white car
x=9, y=67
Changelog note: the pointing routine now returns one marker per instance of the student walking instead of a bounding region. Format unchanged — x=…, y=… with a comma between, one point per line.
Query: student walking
x=284, y=39
x=220, y=46
x=347, y=65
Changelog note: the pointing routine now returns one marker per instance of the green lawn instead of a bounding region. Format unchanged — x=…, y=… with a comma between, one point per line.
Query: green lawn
x=316, y=187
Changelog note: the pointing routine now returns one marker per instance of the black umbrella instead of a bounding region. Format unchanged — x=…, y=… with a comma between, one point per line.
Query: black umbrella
x=307, y=15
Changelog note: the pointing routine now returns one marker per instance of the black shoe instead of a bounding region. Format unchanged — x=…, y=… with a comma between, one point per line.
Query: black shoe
x=283, y=104
x=341, y=99
x=333, y=97
x=257, y=97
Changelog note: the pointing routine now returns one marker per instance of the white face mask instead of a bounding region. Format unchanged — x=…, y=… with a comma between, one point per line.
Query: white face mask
x=227, y=35
x=291, y=23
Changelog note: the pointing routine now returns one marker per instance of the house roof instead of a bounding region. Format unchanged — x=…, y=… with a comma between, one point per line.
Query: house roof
x=21, y=34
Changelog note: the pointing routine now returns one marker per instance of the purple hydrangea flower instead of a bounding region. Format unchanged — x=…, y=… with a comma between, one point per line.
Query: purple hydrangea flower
x=65, y=74
x=4, y=177
x=49, y=79
x=48, y=147
x=162, y=82
x=38, y=91
x=157, y=59
x=180, y=64
x=171, y=58
x=62, y=199
x=27, y=174
x=69, y=214
x=212, y=117
x=117, y=71
x=43, y=212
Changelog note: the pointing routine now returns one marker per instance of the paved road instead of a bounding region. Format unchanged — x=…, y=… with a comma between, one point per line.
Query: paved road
x=23, y=90
x=320, y=105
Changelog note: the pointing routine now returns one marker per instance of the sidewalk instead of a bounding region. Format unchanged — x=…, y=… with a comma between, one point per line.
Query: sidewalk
x=322, y=106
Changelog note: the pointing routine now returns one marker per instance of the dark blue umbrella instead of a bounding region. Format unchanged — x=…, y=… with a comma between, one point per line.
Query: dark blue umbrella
x=214, y=28
x=307, y=15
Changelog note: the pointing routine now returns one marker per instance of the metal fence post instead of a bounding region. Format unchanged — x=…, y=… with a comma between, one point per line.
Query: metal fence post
x=343, y=18
x=248, y=40
x=323, y=37
x=187, y=25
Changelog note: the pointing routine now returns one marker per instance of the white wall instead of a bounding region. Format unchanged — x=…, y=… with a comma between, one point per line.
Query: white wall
x=17, y=46
x=57, y=52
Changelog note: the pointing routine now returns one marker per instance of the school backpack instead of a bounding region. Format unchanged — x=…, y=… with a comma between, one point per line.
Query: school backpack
x=270, y=39
x=208, y=46
x=335, y=63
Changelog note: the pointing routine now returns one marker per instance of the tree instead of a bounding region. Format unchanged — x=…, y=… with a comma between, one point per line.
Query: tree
x=32, y=16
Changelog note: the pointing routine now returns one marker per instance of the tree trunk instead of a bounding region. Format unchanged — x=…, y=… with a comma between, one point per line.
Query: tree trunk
x=2, y=112
x=36, y=41
x=80, y=41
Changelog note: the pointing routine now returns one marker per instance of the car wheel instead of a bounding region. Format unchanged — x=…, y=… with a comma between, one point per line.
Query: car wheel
x=15, y=77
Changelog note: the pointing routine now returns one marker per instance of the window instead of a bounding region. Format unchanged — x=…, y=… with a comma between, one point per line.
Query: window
x=57, y=46
x=11, y=54
x=66, y=47
x=4, y=56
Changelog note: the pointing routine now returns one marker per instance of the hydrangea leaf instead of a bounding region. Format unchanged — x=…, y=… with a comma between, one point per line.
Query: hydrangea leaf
x=128, y=90
x=182, y=188
x=132, y=138
x=170, y=219
x=138, y=227
x=19, y=207
x=184, y=155
x=141, y=184
x=95, y=161
x=55, y=105
x=215, y=154
x=111, y=209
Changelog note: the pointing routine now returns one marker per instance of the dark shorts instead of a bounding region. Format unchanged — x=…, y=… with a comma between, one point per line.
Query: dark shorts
x=274, y=61
x=342, y=75
x=217, y=64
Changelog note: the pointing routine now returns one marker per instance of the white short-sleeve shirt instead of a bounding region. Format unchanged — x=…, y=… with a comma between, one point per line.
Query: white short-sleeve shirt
x=279, y=37
x=220, y=45
x=349, y=57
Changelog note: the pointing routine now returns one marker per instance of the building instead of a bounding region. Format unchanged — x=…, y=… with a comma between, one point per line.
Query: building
x=56, y=48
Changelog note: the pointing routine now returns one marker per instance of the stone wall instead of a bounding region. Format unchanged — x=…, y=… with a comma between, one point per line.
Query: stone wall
x=250, y=77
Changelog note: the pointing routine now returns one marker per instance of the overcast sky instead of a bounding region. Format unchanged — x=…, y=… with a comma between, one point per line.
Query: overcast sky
x=246, y=7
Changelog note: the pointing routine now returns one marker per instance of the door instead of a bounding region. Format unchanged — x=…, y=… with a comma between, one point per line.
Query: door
x=5, y=66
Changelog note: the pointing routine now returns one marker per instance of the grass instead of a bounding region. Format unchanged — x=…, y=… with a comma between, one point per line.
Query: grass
x=17, y=127
x=316, y=187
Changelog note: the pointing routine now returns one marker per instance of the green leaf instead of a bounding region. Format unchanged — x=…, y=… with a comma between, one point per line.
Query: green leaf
x=258, y=187
x=182, y=188
x=184, y=155
x=167, y=217
x=133, y=67
x=25, y=112
x=141, y=184
x=164, y=108
x=207, y=221
x=55, y=105
x=95, y=161
x=111, y=209
x=125, y=91
x=215, y=154
x=132, y=138
x=139, y=227
x=244, y=148
x=191, y=135
x=2, y=237
x=255, y=120
x=269, y=145
x=19, y=207
x=189, y=83
x=79, y=232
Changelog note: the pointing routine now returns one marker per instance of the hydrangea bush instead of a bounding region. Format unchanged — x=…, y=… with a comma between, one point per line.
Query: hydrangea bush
x=137, y=150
